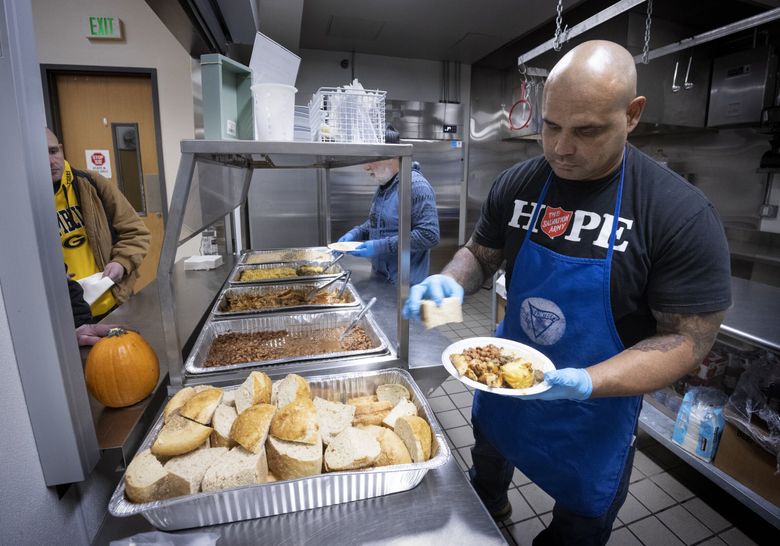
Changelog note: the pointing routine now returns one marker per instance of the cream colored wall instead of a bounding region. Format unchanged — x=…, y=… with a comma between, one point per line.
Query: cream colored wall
x=60, y=31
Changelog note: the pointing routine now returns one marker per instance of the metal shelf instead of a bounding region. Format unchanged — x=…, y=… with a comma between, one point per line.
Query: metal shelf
x=660, y=427
x=213, y=180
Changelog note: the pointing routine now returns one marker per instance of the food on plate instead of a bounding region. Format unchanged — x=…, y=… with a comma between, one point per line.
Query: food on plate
x=275, y=431
x=235, y=348
x=432, y=315
x=496, y=367
x=520, y=374
x=286, y=297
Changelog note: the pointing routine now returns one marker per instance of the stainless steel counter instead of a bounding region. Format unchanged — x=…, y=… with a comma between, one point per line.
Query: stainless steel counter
x=754, y=314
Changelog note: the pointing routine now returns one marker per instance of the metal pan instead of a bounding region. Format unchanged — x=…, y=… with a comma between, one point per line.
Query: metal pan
x=334, y=271
x=304, y=254
x=220, y=310
x=270, y=499
x=297, y=325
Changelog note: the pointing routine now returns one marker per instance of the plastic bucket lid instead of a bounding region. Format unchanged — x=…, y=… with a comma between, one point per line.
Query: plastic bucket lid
x=274, y=111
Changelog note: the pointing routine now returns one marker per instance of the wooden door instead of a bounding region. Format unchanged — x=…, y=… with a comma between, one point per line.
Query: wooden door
x=90, y=106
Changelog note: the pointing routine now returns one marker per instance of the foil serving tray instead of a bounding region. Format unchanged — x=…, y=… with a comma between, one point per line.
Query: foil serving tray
x=269, y=499
x=220, y=311
x=302, y=254
x=333, y=271
x=295, y=324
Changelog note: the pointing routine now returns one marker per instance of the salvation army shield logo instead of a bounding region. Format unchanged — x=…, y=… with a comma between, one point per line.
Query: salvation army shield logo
x=542, y=320
x=555, y=221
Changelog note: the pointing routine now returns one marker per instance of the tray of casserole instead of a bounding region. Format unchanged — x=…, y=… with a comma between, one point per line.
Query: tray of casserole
x=315, y=491
x=303, y=254
x=283, y=272
x=236, y=301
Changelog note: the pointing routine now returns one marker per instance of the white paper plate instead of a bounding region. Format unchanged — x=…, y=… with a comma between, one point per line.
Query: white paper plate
x=539, y=361
x=346, y=246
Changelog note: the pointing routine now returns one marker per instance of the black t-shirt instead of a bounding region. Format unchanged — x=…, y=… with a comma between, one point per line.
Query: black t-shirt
x=670, y=250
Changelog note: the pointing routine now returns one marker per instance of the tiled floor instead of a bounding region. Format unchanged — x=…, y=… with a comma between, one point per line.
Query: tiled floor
x=669, y=503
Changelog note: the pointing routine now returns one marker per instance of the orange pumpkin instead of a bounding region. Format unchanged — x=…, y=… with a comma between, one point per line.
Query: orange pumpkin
x=121, y=369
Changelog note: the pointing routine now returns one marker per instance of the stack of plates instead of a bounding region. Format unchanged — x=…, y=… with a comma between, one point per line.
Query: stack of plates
x=302, y=131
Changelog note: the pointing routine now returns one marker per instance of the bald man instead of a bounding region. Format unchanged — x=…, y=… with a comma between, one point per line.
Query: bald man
x=617, y=270
x=100, y=231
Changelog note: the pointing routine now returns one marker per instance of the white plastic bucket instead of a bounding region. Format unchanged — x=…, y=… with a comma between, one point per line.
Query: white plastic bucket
x=274, y=111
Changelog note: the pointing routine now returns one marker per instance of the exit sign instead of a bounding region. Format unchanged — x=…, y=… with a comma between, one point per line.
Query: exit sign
x=104, y=28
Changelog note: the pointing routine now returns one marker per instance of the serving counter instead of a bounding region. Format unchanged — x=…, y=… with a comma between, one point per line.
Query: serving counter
x=460, y=520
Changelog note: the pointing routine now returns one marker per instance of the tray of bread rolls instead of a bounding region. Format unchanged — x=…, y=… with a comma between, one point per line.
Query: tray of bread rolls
x=235, y=301
x=265, y=340
x=263, y=448
x=310, y=254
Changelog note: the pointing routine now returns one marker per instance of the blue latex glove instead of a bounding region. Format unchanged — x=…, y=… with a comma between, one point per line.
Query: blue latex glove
x=368, y=249
x=566, y=384
x=436, y=288
x=348, y=237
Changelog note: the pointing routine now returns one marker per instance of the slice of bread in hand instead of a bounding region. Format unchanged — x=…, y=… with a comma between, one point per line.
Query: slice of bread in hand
x=401, y=409
x=333, y=418
x=433, y=315
x=250, y=428
x=289, y=389
x=416, y=434
x=393, y=449
x=177, y=401
x=179, y=436
x=371, y=413
x=222, y=421
x=392, y=392
x=297, y=422
x=146, y=480
x=255, y=390
x=192, y=466
x=202, y=405
x=235, y=468
x=352, y=448
x=290, y=460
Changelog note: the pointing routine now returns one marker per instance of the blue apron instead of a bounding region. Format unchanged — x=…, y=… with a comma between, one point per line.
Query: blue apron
x=575, y=450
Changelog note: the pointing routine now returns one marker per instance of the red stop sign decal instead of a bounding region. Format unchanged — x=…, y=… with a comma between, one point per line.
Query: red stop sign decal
x=98, y=159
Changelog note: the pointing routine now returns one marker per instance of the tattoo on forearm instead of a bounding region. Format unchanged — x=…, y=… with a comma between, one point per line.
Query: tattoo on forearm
x=673, y=330
x=473, y=264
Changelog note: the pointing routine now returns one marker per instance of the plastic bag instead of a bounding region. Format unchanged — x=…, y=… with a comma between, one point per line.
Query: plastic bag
x=158, y=538
x=700, y=422
x=754, y=406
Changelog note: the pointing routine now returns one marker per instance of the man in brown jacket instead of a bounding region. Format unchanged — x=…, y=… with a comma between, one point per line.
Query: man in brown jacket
x=99, y=229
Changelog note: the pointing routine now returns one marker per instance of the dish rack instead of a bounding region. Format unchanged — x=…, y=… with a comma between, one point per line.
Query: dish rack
x=355, y=116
